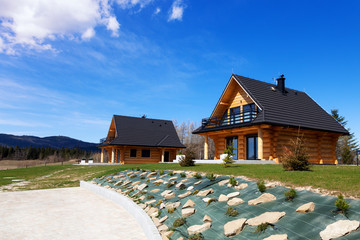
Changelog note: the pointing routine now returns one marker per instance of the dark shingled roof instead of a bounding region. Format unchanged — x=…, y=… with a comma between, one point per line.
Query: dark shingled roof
x=293, y=109
x=134, y=131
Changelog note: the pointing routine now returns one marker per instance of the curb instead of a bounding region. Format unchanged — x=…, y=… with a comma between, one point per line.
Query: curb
x=137, y=212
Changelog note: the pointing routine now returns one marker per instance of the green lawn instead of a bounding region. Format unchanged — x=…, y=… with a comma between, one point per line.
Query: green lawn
x=343, y=179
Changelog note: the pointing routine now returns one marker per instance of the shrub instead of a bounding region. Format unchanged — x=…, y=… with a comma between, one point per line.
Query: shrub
x=171, y=173
x=262, y=227
x=341, y=204
x=232, y=181
x=179, y=222
x=261, y=186
x=197, y=176
x=137, y=169
x=157, y=183
x=182, y=175
x=143, y=170
x=132, y=176
x=161, y=172
x=295, y=157
x=147, y=180
x=197, y=236
x=229, y=157
x=142, y=177
x=158, y=213
x=188, y=160
x=211, y=177
x=290, y=195
x=182, y=187
x=232, y=212
x=171, y=210
x=152, y=170
x=149, y=196
x=170, y=184
x=195, y=192
x=158, y=203
x=210, y=201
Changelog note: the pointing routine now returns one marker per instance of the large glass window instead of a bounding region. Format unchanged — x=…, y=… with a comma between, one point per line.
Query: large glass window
x=252, y=147
x=234, y=115
x=145, y=153
x=233, y=141
x=132, y=152
x=248, y=112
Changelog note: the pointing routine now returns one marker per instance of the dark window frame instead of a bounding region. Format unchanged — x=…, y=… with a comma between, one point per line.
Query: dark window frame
x=143, y=151
x=131, y=153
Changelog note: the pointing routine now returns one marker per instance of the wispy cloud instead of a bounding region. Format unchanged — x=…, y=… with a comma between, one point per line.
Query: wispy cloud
x=177, y=10
x=157, y=11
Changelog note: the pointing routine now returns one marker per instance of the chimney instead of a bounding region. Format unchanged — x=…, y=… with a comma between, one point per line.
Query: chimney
x=281, y=83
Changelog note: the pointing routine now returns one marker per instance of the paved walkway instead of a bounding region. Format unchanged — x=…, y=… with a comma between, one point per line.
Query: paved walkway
x=66, y=213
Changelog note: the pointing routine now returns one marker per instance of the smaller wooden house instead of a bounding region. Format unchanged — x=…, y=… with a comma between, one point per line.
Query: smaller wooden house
x=133, y=140
x=259, y=119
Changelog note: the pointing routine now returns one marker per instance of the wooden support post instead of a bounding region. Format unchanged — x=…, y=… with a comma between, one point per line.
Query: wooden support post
x=206, y=147
x=102, y=155
x=260, y=144
x=122, y=156
x=162, y=154
x=112, y=154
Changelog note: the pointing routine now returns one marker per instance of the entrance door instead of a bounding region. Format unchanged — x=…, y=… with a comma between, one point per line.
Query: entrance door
x=251, y=147
x=233, y=141
x=166, y=156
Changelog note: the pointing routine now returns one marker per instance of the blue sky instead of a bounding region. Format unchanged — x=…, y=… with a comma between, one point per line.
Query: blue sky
x=67, y=66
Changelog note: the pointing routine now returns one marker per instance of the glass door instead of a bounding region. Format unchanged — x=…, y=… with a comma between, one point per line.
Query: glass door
x=233, y=141
x=251, y=147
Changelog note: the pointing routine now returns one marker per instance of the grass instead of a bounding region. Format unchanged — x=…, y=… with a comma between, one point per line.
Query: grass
x=341, y=179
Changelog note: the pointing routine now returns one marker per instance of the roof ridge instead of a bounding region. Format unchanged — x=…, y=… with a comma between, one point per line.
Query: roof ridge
x=161, y=141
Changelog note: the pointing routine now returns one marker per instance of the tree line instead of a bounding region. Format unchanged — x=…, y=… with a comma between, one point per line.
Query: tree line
x=42, y=153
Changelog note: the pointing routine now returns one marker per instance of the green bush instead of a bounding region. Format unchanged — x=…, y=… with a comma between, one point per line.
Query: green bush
x=137, y=169
x=132, y=176
x=183, y=175
x=210, y=201
x=196, y=192
x=295, y=157
x=262, y=227
x=197, y=236
x=261, y=186
x=179, y=222
x=158, y=203
x=161, y=172
x=197, y=176
x=171, y=210
x=229, y=157
x=142, y=177
x=171, y=173
x=149, y=196
x=290, y=195
x=188, y=160
x=232, y=212
x=211, y=177
x=232, y=181
x=341, y=204
x=170, y=184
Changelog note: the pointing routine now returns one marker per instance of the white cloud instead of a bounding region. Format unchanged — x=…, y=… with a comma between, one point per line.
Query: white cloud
x=177, y=10
x=32, y=23
x=157, y=11
x=132, y=3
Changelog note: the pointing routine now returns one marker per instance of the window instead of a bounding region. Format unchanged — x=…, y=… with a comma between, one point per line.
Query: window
x=132, y=152
x=248, y=112
x=234, y=115
x=145, y=153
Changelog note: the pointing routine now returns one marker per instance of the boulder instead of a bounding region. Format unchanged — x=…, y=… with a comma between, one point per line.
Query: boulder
x=166, y=234
x=163, y=219
x=198, y=228
x=190, y=188
x=241, y=186
x=135, y=183
x=266, y=197
x=198, y=182
x=339, y=228
x=158, y=181
x=172, y=205
x=187, y=212
x=142, y=198
x=142, y=186
x=150, y=202
x=223, y=182
x=170, y=195
x=207, y=219
x=223, y=198
x=172, y=178
x=308, y=207
x=268, y=217
x=235, y=201
x=270, y=185
x=184, y=180
x=189, y=203
x=155, y=190
x=127, y=182
x=151, y=174
x=151, y=179
x=204, y=193
x=180, y=185
x=234, y=227
x=152, y=211
x=165, y=192
x=206, y=200
x=184, y=195
x=277, y=237
x=233, y=194
x=163, y=228
x=143, y=174
x=156, y=222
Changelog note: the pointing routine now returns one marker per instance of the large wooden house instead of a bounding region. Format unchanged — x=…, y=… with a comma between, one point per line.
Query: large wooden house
x=258, y=119
x=133, y=140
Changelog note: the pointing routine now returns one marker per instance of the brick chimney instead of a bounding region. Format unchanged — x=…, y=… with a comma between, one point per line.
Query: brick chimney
x=281, y=83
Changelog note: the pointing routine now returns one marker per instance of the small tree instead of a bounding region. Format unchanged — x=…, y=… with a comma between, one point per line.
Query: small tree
x=341, y=205
x=229, y=151
x=295, y=157
x=188, y=160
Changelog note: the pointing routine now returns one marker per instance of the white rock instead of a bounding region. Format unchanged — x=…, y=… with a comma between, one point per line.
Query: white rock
x=206, y=199
x=235, y=201
x=155, y=190
x=234, y=227
x=135, y=183
x=170, y=195
x=152, y=210
x=339, y=228
x=223, y=182
x=163, y=228
x=233, y=194
x=150, y=202
x=241, y=186
x=165, y=192
x=142, y=186
x=162, y=205
x=223, y=198
x=180, y=185
x=172, y=205
x=308, y=207
x=277, y=237
x=189, y=203
x=207, y=219
x=198, y=228
x=268, y=217
x=198, y=182
x=172, y=178
x=187, y=212
x=184, y=195
x=270, y=185
x=158, y=181
x=144, y=173
x=190, y=188
x=151, y=174
x=266, y=197
x=204, y=193
x=156, y=222
x=161, y=220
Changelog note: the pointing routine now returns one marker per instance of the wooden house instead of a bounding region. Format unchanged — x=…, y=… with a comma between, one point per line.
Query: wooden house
x=258, y=119
x=133, y=140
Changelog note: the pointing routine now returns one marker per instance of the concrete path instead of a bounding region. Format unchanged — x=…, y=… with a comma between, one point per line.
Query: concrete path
x=66, y=213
